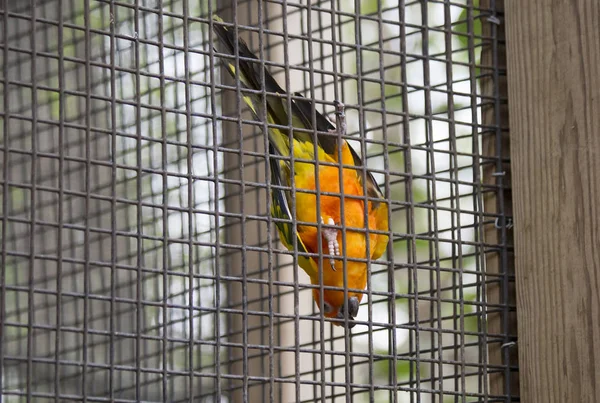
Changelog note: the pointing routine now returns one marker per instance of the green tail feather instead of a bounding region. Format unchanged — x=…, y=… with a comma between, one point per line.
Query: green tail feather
x=277, y=106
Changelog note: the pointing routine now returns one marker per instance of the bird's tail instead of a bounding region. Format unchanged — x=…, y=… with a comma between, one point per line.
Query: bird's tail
x=251, y=75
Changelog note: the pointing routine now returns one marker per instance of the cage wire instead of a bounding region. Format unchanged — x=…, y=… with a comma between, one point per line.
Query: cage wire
x=139, y=259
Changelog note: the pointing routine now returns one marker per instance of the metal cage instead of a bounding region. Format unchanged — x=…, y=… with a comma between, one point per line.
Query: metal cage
x=139, y=258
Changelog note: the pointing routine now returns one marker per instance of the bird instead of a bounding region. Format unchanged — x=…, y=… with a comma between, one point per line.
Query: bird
x=338, y=163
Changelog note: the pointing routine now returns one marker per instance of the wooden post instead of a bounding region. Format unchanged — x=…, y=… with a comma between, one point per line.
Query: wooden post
x=554, y=105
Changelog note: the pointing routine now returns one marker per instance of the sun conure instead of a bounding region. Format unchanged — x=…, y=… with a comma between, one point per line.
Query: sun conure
x=329, y=148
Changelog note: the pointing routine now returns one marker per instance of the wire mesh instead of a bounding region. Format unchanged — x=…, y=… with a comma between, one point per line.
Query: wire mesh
x=139, y=258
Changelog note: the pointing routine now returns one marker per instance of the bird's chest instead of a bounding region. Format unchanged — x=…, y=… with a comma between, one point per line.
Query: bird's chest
x=311, y=208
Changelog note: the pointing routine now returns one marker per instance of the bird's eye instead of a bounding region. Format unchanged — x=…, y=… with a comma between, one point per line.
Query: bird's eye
x=327, y=307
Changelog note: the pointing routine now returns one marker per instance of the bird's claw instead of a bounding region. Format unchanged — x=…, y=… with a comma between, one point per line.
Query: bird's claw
x=330, y=235
x=339, y=107
x=340, y=119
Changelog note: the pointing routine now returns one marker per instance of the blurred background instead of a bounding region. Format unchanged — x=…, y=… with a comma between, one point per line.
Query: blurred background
x=139, y=261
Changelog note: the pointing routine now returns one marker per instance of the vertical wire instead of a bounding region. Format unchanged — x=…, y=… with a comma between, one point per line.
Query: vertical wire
x=336, y=90
x=311, y=78
x=413, y=284
x=245, y=376
x=323, y=323
x=278, y=265
x=312, y=93
x=190, y=192
x=367, y=203
x=454, y=194
x=139, y=215
x=358, y=39
x=317, y=387
x=117, y=275
x=32, y=199
x=392, y=339
x=293, y=210
x=204, y=129
x=478, y=206
x=169, y=359
x=454, y=199
x=431, y=190
x=228, y=284
x=95, y=220
x=342, y=92
x=45, y=230
x=22, y=128
x=392, y=342
x=86, y=239
x=259, y=300
x=215, y=150
x=344, y=248
x=113, y=202
x=132, y=275
x=165, y=212
x=61, y=185
x=265, y=130
x=72, y=215
x=408, y=202
x=434, y=275
x=5, y=190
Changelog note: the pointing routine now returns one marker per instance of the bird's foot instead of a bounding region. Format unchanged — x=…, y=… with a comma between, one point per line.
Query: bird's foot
x=330, y=235
x=340, y=119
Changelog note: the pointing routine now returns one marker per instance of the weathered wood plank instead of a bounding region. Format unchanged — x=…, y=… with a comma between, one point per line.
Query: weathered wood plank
x=554, y=105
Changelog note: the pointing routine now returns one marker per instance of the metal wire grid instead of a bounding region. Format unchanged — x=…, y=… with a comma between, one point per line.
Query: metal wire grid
x=139, y=261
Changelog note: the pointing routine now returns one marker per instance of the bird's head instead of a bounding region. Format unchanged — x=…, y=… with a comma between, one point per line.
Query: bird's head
x=334, y=306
